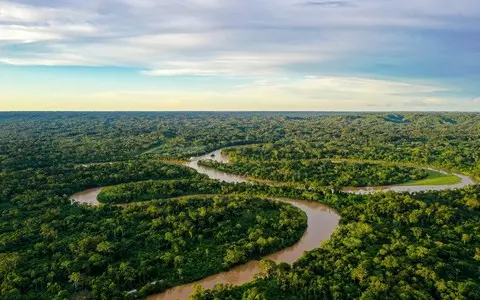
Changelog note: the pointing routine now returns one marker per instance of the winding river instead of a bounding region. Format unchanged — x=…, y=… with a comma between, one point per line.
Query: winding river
x=322, y=221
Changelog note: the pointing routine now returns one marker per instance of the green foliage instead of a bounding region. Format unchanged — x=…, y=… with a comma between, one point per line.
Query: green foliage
x=449, y=140
x=319, y=172
x=146, y=190
x=161, y=189
x=436, y=178
x=388, y=246
x=108, y=251
x=34, y=185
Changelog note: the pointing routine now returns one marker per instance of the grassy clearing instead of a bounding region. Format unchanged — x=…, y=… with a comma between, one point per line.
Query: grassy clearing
x=435, y=178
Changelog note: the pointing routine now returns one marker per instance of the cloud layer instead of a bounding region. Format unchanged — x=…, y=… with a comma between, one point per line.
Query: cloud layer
x=381, y=43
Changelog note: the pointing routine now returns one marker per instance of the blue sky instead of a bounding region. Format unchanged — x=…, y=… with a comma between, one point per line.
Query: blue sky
x=240, y=55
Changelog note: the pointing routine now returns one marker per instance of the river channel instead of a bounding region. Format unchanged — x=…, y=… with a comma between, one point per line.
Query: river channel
x=322, y=221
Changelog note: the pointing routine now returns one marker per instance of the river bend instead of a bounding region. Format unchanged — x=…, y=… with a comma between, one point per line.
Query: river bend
x=322, y=221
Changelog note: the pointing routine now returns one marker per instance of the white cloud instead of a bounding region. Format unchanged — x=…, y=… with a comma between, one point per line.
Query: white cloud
x=204, y=29
x=353, y=87
x=22, y=34
x=31, y=34
x=47, y=60
x=171, y=41
x=14, y=12
x=319, y=93
x=11, y=11
x=274, y=43
x=281, y=93
x=233, y=64
x=433, y=101
x=21, y=23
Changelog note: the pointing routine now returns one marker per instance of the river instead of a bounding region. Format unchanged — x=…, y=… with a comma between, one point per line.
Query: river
x=322, y=221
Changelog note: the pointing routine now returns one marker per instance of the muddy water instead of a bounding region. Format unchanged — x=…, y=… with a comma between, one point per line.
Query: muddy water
x=322, y=221
x=90, y=196
x=213, y=173
x=87, y=197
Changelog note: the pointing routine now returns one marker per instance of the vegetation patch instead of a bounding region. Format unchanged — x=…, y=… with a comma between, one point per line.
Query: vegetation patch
x=399, y=119
x=435, y=178
x=107, y=251
x=388, y=246
x=318, y=173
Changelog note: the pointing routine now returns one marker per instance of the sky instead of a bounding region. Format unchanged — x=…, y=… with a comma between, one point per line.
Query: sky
x=231, y=55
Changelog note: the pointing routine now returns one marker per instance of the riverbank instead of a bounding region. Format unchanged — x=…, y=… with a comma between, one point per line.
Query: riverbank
x=322, y=221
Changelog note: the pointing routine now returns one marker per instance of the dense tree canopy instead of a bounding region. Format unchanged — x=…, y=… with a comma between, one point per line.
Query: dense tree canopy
x=450, y=140
x=108, y=251
x=320, y=172
x=29, y=186
x=419, y=246
x=388, y=246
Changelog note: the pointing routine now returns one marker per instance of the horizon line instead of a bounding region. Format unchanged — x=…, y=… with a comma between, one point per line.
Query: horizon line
x=237, y=111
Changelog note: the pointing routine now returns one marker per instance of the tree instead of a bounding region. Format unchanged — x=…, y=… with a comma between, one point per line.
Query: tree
x=76, y=278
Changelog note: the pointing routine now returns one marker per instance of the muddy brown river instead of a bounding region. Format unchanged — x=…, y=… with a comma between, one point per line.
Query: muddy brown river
x=322, y=221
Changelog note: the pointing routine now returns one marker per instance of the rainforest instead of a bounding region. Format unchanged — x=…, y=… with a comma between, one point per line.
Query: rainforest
x=245, y=205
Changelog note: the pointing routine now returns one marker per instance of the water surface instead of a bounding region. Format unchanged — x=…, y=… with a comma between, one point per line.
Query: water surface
x=87, y=197
x=322, y=221
x=214, y=173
